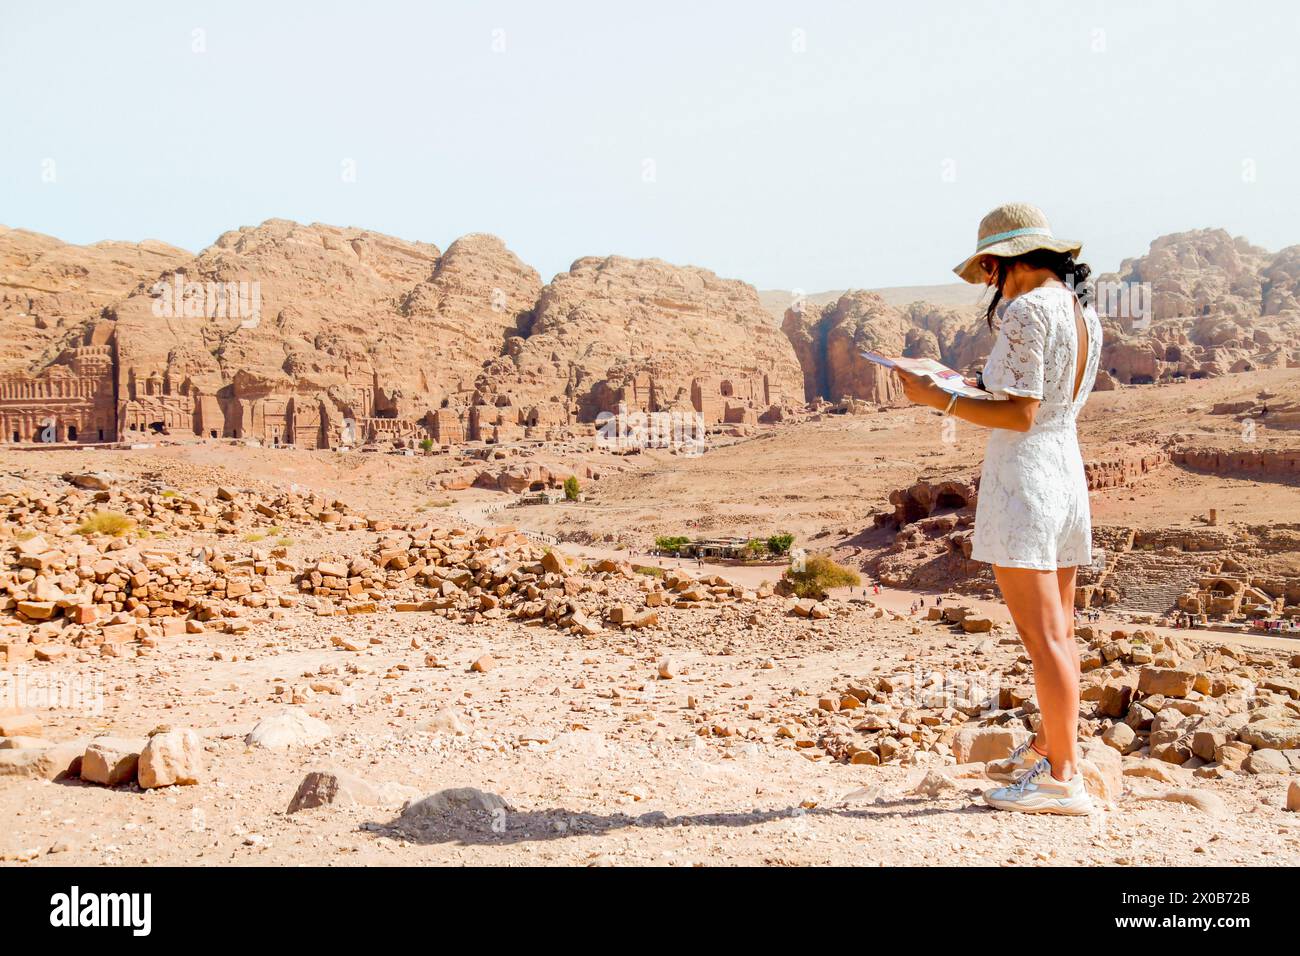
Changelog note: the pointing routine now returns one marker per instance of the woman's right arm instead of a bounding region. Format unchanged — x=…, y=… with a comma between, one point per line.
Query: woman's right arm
x=1015, y=414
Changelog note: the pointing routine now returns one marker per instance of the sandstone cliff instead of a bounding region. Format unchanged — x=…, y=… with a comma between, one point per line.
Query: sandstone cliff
x=829, y=343
x=651, y=335
x=1217, y=305
x=51, y=291
x=318, y=335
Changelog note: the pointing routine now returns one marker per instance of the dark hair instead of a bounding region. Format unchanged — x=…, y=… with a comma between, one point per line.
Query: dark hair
x=1061, y=264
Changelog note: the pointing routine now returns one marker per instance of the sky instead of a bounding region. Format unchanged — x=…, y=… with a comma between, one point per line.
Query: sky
x=818, y=145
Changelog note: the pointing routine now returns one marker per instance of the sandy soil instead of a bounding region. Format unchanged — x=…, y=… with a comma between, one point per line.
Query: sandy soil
x=592, y=777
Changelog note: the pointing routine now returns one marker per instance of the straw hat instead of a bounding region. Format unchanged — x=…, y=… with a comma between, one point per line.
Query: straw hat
x=1012, y=230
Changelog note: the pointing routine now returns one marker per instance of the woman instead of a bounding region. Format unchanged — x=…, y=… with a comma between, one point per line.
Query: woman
x=1032, y=521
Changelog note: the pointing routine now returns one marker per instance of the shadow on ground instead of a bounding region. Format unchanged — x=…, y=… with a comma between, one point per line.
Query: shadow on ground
x=505, y=827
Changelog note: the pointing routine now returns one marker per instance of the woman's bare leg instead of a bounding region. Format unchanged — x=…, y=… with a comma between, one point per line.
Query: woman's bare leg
x=1046, y=628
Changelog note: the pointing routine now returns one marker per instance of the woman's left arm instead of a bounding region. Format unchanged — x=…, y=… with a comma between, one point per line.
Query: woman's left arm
x=1015, y=414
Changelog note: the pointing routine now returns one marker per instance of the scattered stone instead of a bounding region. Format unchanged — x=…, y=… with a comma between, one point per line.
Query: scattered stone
x=1102, y=769
x=1267, y=761
x=933, y=784
x=1122, y=737
x=447, y=721
x=43, y=763
x=1166, y=681
x=1272, y=734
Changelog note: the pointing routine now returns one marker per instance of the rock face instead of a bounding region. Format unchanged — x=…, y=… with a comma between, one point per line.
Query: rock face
x=49, y=290
x=351, y=337
x=650, y=336
x=318, y=336
x=1217, y=305
x=55, y=357
x=829, y=343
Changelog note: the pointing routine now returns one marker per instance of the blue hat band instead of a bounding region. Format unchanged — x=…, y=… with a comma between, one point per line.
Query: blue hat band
x=998, y=237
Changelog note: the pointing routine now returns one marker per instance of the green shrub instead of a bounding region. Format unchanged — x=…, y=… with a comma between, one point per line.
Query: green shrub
x=647, y=569
x=571, y=489
x=780, y=543
x=819, y=575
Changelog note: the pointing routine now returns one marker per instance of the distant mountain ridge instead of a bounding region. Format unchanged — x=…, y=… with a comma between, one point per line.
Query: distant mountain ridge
x=414, y=342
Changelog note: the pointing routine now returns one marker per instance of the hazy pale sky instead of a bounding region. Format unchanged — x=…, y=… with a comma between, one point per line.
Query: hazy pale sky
x=814, y=145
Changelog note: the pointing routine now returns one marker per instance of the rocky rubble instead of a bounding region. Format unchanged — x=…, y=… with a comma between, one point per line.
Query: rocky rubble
x=88, y=570
x=1170, y=708
x=68, y=589
x=501, y=573
x=159, y=511
x=113, y=598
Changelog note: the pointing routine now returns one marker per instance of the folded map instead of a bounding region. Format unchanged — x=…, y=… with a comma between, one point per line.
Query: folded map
x=952, y=382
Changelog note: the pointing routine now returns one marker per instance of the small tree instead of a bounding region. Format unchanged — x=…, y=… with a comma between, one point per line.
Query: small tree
x=571, y=488
x=671, y=544
x=426, y=445
x=780, y=543
x=755, y=549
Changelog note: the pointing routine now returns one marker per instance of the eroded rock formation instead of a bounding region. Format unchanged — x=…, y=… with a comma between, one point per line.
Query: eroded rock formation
x=1216, y=305
x=319, y=336
x=648, y=336
x=829, y=343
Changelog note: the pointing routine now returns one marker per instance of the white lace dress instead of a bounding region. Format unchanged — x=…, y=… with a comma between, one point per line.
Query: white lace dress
x=1032, y=510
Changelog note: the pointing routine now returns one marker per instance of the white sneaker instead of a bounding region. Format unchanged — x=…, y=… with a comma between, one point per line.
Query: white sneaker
x=1039, y=792
x=1018, y=761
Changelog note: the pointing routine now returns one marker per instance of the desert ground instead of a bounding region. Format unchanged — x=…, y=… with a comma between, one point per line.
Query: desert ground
x=724, y=732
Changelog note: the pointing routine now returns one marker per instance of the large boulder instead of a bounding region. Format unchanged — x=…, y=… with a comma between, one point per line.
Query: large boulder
x=290, y=727
x=987, y=744
x=456, y=800
x=171, y=758
x=339, y=788
x=1279, y=734
x=111, y=760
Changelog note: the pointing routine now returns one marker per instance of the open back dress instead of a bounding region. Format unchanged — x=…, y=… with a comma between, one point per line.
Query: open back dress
x=1032, y=510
